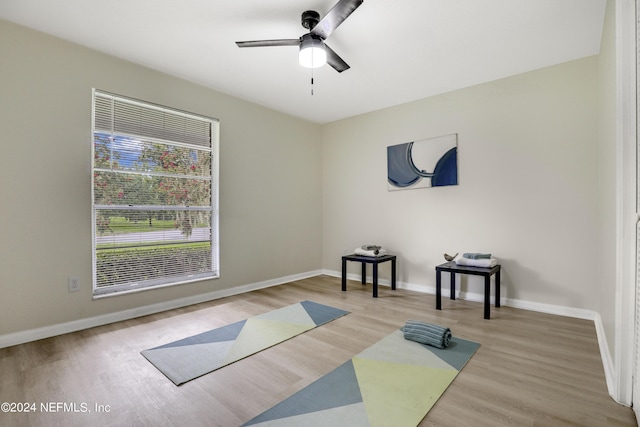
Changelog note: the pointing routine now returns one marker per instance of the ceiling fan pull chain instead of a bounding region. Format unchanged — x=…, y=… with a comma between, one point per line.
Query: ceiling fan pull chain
x=312, y=82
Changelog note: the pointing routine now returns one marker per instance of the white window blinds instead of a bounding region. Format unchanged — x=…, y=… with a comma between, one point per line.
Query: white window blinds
x=155, y=213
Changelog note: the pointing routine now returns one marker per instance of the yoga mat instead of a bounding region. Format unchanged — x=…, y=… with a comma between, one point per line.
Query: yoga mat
x=395, y=383
x=191, y=357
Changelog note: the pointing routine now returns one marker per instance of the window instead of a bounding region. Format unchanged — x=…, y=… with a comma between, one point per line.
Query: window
x=155, y=196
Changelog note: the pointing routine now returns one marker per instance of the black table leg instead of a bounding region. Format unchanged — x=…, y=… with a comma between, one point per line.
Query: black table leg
x=453, y=285
x=487, y=297
x=344, y=274
x=393, y=274
x=375, y=280
x=364, y=273
x=497, y=302
x=438, y=290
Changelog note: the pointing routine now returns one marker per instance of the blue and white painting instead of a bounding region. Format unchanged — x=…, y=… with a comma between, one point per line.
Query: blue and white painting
x=424, y=163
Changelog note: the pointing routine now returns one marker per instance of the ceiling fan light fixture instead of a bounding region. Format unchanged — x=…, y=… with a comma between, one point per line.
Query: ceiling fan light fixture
x=312, y=52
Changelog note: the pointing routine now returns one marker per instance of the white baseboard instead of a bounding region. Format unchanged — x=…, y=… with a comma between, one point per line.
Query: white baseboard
x=21, y=337
x=607, y=361
x=476, y=297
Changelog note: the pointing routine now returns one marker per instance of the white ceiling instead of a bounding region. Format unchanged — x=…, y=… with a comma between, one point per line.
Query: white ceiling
x=398, y=50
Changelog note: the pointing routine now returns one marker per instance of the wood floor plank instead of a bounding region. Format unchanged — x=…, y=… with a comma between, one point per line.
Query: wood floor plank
x=532, y=369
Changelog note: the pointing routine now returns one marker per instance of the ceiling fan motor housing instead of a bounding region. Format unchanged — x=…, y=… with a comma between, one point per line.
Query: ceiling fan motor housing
x=310, y=19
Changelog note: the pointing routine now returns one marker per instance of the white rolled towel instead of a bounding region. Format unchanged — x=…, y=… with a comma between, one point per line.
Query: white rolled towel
x=487, y=263
x=364, y=252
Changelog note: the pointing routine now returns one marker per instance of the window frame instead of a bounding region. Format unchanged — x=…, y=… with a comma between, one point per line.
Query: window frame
x=213, y=208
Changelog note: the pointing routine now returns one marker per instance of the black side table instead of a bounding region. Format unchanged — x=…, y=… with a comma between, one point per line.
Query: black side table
x=453, y=268
x=369, y=260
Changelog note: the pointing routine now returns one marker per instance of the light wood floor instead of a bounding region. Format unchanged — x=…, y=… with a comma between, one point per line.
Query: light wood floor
x=532, y=369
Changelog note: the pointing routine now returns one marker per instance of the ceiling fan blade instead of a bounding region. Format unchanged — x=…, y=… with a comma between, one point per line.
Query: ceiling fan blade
x=335, y=17
x=261, y=43
x=335, y=61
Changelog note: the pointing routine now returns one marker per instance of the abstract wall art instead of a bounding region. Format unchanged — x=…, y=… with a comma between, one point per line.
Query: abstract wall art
x=431, y=162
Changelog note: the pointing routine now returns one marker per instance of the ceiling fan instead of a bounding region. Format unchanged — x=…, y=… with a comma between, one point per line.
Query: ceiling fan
x=314, y=52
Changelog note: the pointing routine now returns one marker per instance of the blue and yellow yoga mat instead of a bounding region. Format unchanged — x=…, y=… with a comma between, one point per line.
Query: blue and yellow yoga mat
x=393, y=383
x=191, y=357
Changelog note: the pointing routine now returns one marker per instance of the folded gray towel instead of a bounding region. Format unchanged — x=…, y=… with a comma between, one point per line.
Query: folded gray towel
x=427, y=333
x=476, y=255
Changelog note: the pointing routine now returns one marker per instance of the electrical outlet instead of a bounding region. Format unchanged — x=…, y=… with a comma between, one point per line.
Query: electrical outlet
x=74, y=284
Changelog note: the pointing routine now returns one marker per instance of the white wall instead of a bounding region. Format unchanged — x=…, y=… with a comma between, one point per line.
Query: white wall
x=617, y=192
x=270, y=191
x=527, y=193
x=607, y=156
